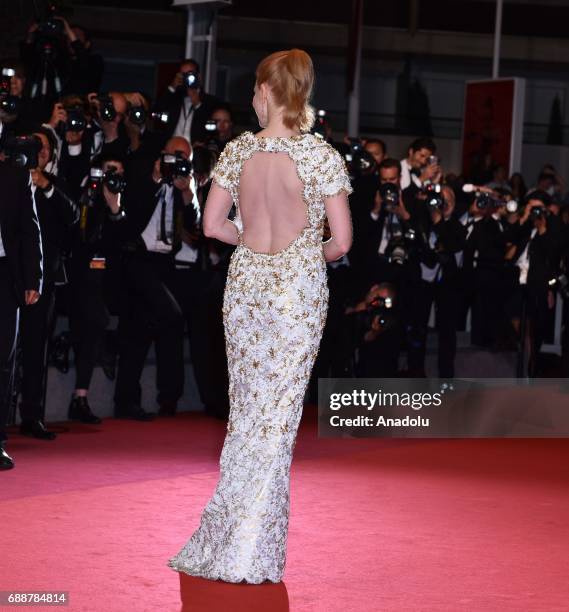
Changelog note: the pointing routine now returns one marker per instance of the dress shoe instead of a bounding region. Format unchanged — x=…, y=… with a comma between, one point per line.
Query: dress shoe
x=79, y=410
x=133, y=412
x=36, y=429
x=168, y=409
x=6, y=462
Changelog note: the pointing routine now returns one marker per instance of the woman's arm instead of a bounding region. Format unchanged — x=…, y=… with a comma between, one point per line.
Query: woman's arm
x=340, y=221
x=215, y=221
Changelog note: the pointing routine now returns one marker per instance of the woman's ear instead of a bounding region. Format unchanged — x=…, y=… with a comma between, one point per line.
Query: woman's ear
x=265, y=92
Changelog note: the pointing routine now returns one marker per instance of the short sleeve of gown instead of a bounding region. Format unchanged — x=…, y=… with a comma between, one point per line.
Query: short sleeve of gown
x=334, y=176
x=225, y=172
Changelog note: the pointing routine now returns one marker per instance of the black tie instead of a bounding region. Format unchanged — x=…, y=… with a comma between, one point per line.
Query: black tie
x=163, y=234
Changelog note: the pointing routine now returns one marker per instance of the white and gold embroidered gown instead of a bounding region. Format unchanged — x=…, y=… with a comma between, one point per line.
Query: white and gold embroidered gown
x=274, y=311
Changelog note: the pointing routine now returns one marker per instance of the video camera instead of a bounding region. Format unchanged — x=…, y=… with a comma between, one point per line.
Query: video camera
x=389, y=193
x=21, y=151
x=115, y=183
x=8, y=103
x=173, y=166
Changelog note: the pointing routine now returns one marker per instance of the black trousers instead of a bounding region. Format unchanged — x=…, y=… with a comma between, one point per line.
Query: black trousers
x=446, y=299
x=88, y=320
x=190, y=288
x=150, y=313
x=8, y=334
x=35, y=326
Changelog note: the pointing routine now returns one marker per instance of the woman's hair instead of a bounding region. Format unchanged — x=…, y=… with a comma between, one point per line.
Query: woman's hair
x=290, y=75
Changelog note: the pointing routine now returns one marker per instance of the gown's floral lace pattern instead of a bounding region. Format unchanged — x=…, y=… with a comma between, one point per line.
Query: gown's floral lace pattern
x=274, y=312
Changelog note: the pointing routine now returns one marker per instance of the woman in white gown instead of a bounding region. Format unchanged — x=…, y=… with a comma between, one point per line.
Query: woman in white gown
x=284, y=182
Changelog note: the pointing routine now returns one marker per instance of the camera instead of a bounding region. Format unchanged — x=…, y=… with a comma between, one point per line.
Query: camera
x=172, y=166
x=211, y=128
x=107, y=110
x=382, y=307
x=435, y=197
x=160, y=117
x=389, y=193
x=137, y=115
x=76, y=121
x=320, y=124
x=561, y=283
x=191, y=79
x=484, y=201
x=115, y=183
x=359, y=161
x=433, y=160
x=399, y=247
x=539, y=212
x=8, y=103
x=22, y=151
x=51, y=25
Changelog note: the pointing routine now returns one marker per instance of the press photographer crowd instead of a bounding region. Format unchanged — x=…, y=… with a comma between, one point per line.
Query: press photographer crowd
x=101, y=203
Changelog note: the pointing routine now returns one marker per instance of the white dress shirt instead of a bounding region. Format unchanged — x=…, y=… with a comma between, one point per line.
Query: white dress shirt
x=184, y=126
x=407, y=176
x=152, y=232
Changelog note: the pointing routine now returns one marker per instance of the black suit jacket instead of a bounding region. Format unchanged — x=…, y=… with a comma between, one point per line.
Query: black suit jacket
x=56, y=214
x=172, y=104
x=20, y=230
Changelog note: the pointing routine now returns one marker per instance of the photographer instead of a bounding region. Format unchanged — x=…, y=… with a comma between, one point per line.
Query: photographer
x=421, y=163
x=535, y=255
x=158, y=207
x=375, y=332
x=485, y=276
x=91, y=267
x=440, y=237
x=145, y=144
x=109, y=112
x=21, y=114
x=57, y=213
x=224, y=123
x=376, y=148
x=186, y=105
x=390, y=222
x=58, y=58
x=20, y=273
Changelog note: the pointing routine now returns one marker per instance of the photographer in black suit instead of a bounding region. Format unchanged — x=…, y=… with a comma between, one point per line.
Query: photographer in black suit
x=439, y=238
x=535, y=254
x=158, y=207
x=57, y=213
x=20, y=273
x=187, y=105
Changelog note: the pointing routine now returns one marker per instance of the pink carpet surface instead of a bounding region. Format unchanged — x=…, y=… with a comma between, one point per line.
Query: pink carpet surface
x=375, y=525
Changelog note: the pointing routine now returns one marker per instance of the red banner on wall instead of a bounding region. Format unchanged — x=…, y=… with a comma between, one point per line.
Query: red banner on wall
x=493, y=120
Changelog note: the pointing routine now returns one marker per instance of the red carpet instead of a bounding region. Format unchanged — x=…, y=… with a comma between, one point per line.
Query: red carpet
x=376, y=525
